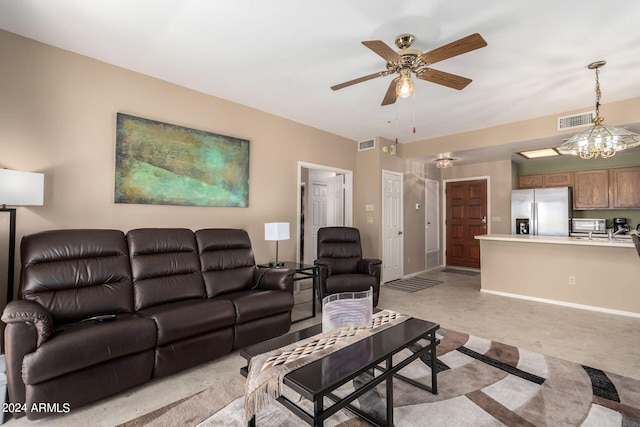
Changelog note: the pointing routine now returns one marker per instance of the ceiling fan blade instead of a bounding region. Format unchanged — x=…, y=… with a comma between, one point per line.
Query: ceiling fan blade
x=382, y=49
x=458, y=47
x=445, y=79
x=360, y=80
x=391, y=96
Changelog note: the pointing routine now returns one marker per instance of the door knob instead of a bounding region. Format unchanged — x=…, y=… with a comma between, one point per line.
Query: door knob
x=399, y=232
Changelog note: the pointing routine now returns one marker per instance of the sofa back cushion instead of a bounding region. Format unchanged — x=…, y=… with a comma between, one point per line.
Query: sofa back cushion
x=340, y=247
x=164, y=266
x=77, y=274
x=227, y=260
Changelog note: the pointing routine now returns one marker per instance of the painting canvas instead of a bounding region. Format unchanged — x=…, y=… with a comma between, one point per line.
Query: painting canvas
x=163, y=164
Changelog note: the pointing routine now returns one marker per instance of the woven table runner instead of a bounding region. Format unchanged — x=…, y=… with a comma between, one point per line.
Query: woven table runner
x=267, y=371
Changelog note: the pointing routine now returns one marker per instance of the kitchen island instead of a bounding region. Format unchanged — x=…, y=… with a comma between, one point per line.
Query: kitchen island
x=598, y=274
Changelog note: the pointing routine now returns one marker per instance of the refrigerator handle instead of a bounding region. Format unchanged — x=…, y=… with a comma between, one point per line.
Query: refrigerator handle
x=535, y=216
x=532, y=215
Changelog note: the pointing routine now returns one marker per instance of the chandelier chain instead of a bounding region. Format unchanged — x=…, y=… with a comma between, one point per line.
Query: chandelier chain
x=598, y=93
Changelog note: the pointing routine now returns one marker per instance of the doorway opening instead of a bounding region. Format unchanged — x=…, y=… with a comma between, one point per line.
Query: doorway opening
x=325, y=198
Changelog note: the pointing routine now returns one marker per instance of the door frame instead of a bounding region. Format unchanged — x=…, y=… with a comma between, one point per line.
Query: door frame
x=444, y=208
x=382, y=222
x=348, y=196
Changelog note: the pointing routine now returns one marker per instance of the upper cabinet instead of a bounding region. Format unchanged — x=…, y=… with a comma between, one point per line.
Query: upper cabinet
x=552, y=179
x=530, y=181
x=557, y=179
x=591, y=189
x=613, y=188
x=625, y=183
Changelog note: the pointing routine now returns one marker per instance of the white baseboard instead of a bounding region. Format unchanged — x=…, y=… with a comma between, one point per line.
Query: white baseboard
x=409, y=276
x=564, y=303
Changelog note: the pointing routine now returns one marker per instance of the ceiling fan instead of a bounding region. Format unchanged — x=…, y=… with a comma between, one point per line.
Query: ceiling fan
x=407, y=61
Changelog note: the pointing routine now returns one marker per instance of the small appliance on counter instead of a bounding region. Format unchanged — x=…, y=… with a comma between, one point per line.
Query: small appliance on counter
x=620, y=225
x=589, y=225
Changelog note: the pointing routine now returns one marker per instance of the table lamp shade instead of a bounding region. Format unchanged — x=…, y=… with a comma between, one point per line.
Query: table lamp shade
x=276, y=231
x=19, y=188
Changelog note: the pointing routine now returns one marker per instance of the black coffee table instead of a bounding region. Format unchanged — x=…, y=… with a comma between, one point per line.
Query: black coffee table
x=320, y=378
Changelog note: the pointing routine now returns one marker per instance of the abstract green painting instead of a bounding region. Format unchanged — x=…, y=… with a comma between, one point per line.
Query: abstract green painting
x=163, y=164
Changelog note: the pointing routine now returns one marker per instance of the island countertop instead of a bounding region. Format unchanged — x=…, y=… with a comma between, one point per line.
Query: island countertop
x=593, y=274
x=616, y=242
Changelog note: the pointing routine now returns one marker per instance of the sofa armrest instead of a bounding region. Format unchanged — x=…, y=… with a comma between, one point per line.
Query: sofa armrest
x=29, y=312
x=369, y=266
x=274, y=279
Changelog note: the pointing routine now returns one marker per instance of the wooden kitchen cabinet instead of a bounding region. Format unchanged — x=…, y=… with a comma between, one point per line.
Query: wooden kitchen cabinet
x=557, y=179
x=625, y=183
x=541, y=180
x=530, y=181
x=591, y=189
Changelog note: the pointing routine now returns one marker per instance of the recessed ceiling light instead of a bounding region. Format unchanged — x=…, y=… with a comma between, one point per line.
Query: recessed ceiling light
x=539, y=153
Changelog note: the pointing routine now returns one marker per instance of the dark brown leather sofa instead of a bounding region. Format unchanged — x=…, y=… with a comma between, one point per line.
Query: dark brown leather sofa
x=174, y=298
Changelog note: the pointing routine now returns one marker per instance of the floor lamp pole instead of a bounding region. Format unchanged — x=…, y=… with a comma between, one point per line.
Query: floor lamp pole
x=12, y=250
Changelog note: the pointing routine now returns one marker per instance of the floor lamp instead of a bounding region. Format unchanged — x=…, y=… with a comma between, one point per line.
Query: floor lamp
x=18, y=188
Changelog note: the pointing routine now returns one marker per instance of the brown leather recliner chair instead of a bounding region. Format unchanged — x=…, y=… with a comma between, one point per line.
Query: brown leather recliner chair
x=341, y=267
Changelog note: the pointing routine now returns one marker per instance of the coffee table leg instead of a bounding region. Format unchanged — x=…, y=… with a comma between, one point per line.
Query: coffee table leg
x=434, y=372
x=318, y=406
x=389, y=382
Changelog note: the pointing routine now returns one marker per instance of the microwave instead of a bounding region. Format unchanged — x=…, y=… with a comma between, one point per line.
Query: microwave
x=586, y=225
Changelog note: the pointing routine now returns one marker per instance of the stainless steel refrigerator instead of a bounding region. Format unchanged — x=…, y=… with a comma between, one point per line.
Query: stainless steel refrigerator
x=541, y=211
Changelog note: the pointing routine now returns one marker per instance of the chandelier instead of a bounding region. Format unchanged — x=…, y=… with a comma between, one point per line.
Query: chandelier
x=599, y=140
x=444, y=163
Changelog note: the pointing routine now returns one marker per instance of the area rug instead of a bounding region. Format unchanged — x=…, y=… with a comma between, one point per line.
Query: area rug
x=413, y=284
x=480, y=383
x=460, y=271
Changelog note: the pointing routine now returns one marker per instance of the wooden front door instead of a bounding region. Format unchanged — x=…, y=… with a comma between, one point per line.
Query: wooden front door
x=466, y=218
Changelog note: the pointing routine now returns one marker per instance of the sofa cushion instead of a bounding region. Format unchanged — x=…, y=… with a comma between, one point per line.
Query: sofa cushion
x=75, y=274
x=227, y=260
x=183, y=319
x=164, y=265
x=80, y=345
x=256, y=304
x=350, y=283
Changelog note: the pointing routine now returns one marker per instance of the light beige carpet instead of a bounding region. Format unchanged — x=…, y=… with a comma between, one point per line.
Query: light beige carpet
x=480, y=383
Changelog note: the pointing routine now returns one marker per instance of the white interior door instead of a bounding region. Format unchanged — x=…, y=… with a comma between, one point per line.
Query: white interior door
x=432, y=235
x=316, y=217
x=335, y=201
x=392, y=262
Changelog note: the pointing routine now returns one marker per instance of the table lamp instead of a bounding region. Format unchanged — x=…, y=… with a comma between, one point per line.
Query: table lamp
x=276, y=231
x=18, y=188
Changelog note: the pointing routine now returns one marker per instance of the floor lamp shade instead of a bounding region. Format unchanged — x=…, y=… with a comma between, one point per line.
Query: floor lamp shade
x=276, y=231
x=19, y=188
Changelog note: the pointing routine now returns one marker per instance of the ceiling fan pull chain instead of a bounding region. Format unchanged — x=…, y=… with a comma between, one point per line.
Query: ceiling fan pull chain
x=396, y=105
x=414, y=113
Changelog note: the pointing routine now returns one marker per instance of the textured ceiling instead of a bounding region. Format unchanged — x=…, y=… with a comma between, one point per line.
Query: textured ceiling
x=281, y=56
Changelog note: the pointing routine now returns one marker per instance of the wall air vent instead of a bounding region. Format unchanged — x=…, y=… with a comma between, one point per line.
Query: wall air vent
x=576, y=121
x=368, y=144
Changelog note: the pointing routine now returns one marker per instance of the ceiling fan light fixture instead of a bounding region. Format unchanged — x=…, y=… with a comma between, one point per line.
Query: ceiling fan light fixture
x=404, y=87
x=599, y=140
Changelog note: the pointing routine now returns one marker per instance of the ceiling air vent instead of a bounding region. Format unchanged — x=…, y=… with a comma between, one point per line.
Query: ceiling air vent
x=576, y=121
x=368, y=144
